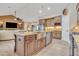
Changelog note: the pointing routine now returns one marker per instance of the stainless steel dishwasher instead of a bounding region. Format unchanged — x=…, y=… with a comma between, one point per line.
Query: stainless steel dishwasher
x=48, y=37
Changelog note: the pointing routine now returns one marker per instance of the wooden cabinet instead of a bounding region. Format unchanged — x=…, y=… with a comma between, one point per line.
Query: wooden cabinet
x=40, y=44
x=48, y=23
x=30, y=44
x=51, y=21
x=42, y=21
x=31, y=48
x=57, y=19
x=57, y=34
x=25, y=45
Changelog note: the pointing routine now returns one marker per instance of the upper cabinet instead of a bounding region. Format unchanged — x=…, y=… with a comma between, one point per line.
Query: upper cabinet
x=57, y=19
x=11, y=22
x=51, y=21
x=48, y=22
x=42, y=21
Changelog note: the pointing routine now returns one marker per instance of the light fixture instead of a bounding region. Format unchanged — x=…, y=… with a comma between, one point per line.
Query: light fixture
x=40, y=11
x=48, y=8
x=1, y=22
x=76, y=27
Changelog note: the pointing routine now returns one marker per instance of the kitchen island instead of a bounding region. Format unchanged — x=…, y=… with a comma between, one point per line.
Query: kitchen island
x=29, y=43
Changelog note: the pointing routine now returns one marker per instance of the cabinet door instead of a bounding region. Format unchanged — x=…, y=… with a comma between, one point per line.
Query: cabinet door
x=57, y=34
x=48, y=22
x=40, y=44
x=31, y=47
x=57, y=19
x=20, y=45
x=26, y=48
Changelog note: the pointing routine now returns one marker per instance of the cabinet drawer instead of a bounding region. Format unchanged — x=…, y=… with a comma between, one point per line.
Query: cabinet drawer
x=31, y=37
x=29, y=41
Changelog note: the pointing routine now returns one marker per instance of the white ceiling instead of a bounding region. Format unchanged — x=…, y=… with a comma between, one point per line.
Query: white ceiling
x=10, y=6
x=31, y=10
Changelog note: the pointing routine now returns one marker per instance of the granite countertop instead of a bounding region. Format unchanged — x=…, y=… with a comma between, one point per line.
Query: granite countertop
x=75, y=29
x=39, y=34
x=25, y=33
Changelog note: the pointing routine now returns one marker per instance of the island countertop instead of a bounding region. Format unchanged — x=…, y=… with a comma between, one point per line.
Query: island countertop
x=39, y=34
x=25, y=33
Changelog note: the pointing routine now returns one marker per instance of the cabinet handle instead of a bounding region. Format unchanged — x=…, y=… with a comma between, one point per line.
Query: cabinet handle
x=19, y=39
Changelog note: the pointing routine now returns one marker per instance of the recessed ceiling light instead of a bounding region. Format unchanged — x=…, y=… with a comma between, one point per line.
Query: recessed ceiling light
x=48, y=8
x=40, y=11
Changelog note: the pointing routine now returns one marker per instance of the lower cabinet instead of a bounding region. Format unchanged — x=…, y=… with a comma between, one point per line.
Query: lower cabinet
x=40, y=44
x=57, y=34
x=30, y=48
x=25, y=45
x=28, y=45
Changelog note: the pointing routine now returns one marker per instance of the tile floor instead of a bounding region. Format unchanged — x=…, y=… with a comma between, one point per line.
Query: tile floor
x=56, y=48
